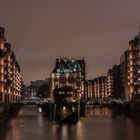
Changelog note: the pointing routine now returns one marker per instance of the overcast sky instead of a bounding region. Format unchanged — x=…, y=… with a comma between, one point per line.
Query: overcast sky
x=42, y=30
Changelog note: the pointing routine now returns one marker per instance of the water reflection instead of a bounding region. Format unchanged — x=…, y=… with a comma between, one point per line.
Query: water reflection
x=96, y=111
x=98, y=124
x=126, y=128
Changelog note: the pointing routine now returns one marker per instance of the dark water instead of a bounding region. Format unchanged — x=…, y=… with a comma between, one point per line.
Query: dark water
x=99, y=124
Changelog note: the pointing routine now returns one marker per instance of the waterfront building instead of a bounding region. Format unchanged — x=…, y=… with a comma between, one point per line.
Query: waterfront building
x=69, y=73
x=130, y=69
x=34, y=87
x=25, y=91
x=113, y=82
x=110, y=83
x=124, y=75
x=134, y=66
x=89, y=89
x=97, y=88
x=100, y=87
x=10, y=77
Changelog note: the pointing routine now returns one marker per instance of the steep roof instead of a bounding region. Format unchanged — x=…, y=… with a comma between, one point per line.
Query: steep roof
x=66, y=66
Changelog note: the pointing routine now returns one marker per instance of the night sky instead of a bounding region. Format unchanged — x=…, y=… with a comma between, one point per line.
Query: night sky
x=42, y=30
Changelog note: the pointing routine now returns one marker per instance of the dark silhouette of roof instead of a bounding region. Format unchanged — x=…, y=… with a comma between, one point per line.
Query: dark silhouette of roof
x=65, y=65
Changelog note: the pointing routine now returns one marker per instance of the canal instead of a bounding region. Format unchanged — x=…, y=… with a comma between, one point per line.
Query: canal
x=98, y=124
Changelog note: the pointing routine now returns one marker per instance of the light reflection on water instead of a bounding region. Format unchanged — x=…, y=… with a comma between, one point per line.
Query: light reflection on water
x=98, y=124
x=97, y=112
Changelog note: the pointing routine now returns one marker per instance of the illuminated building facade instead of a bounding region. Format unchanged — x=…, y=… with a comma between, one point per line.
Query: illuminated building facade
x=134, y=66
x=89, y=89
x=113, y=82
x=69, y=73
x=124, y=75
x=130, y=69
x=100, y=87
x=110, y=83
x=10, y=78
x=97, y=88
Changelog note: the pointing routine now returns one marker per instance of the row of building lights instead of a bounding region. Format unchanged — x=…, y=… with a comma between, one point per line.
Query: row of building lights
x=10, y=77
x=123, y=80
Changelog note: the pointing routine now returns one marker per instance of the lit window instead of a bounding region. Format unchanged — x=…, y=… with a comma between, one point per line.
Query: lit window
x=131, y=81
x=1, y=70
x=1, y=45
x=131, y=74
x=131, y=62
x=130, y=47
x=1, y=62
x=131, y=56
x=131, y=68
x=2, y=78
x=131, y=89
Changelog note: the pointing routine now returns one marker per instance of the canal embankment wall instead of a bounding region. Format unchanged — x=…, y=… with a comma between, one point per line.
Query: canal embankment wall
x=8, y=109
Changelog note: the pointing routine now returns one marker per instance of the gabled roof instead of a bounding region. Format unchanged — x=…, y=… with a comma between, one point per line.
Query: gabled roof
x=67, y=66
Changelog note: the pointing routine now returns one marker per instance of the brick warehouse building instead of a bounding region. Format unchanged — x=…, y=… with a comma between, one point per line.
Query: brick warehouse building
x=10, y=78
x=96, y=88
x=130, y=69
